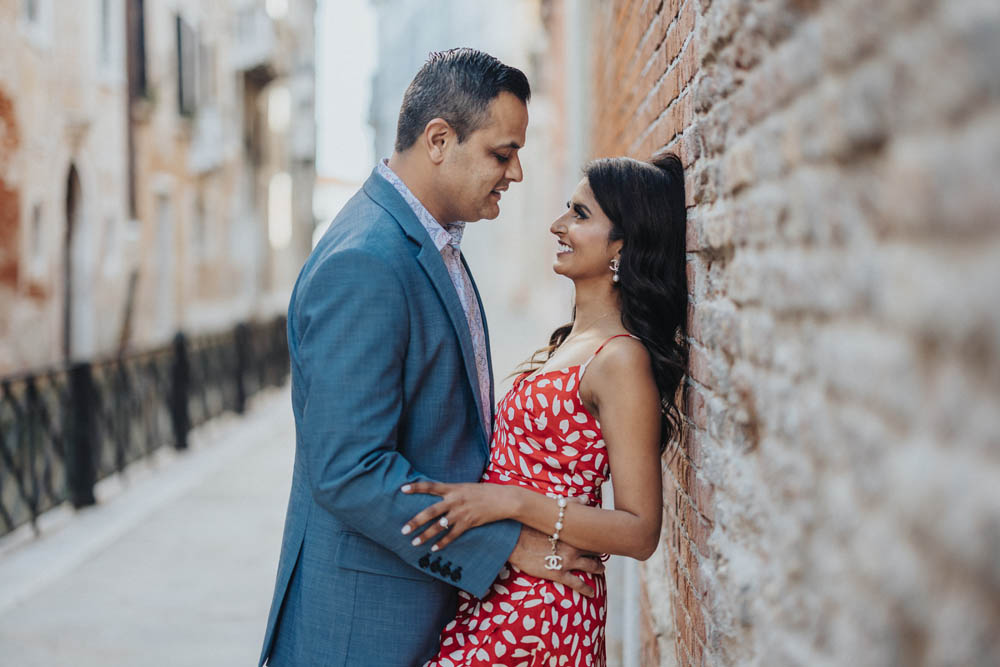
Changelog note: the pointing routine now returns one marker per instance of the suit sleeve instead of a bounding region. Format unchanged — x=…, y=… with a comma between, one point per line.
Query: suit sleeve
x=352, y=326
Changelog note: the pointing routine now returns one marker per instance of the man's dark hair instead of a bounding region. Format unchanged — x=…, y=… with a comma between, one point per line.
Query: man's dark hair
x=458, y=86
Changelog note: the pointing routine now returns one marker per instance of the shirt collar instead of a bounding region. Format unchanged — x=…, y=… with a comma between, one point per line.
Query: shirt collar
x=441, y=235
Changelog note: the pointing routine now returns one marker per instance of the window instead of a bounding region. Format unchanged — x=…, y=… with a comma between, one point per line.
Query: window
x=279, y=108
x=206, y=73
x=36, y=232
x=277, y=9
x=104, y=44
x=36, y=242
x=187, y=54
x=279, y=210
x=110, y=250
x=199, y=236
x=36, y=22
x=136, y=20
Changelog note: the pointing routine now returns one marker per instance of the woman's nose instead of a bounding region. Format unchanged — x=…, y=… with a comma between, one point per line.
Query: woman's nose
x=557, y=225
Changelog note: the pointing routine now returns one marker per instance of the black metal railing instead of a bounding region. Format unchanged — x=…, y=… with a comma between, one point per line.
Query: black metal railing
x=63, y=429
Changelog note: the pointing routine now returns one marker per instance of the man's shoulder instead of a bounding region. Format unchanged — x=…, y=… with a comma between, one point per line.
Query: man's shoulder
x=362, y=224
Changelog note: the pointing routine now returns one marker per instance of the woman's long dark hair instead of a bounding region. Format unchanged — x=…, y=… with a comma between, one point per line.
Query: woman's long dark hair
x=645, y=203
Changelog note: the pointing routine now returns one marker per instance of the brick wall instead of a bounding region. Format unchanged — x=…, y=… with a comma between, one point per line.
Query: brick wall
x=837, y=499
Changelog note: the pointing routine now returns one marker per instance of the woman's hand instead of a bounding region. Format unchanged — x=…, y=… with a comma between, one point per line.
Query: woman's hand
x=463, y=505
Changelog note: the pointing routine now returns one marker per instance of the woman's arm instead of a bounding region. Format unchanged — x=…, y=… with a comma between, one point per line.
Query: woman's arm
x=619, y=389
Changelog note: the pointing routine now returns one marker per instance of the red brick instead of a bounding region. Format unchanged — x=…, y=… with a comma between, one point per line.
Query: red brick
x=679, y=468
x=697, y=620
x=698, y=366
x=699, y=530
x=697, y=657
x=693, y=326
x=695, y=407
x=680, y=619
x=695, y=445
x=703, y=494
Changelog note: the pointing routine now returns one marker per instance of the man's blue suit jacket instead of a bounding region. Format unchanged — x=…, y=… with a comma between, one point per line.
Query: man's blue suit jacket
x=384, y=392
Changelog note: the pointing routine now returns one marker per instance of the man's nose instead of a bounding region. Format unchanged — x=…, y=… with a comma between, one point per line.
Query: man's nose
x=514, y=172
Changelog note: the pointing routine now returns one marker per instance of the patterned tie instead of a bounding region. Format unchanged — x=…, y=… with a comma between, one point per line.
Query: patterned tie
x=451, y=254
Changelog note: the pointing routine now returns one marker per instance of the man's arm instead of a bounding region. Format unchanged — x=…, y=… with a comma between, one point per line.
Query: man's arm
x=352, y=326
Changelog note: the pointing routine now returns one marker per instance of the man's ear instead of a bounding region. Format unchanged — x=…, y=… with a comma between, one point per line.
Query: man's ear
x=438, y=137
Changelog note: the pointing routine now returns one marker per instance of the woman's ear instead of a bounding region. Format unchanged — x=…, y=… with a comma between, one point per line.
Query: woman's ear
x=616, y=248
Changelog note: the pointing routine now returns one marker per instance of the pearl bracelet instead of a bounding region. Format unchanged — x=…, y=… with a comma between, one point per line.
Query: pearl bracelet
x=554, y=561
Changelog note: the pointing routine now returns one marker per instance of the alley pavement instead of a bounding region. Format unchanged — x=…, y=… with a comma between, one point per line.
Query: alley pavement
x=175, y=565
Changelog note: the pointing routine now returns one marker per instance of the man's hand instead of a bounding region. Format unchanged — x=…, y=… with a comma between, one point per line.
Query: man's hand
x=532, y=548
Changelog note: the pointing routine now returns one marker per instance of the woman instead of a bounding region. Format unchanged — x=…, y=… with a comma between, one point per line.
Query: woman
x=601, y=398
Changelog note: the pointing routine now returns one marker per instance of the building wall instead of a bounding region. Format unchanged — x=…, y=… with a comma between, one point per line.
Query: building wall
x=197, y=250
x=212, y=182
x=835, y=501
x=62, y=109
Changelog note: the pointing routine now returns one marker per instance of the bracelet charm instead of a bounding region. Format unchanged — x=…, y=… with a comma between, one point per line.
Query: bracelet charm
x=554, y=561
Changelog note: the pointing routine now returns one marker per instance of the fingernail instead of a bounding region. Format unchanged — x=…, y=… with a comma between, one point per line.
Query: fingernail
x=406, y=488
x=434, y=548
x=416, y=541
x=406, y=530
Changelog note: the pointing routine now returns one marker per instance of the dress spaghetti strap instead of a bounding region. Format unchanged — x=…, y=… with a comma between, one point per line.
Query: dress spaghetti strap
x=587, y=363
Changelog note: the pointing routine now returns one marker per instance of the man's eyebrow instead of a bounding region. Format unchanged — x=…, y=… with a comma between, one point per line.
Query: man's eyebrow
x=512, y=145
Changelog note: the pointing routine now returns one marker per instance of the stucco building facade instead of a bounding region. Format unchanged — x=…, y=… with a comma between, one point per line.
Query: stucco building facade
x=156, y=170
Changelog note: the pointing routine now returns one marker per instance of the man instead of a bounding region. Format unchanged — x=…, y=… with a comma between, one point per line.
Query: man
x=391, y=383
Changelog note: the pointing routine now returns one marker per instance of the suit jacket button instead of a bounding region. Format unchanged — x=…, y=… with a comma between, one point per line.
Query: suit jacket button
x=436, y=564
x=424, y=561
x=446, y=569
x=456, y=574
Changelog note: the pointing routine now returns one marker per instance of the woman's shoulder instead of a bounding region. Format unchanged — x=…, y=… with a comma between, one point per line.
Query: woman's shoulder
x=624, y=352
x=621, y=358
x=621, y=369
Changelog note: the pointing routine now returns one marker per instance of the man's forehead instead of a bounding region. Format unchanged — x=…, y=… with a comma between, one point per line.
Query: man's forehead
x=508, y=120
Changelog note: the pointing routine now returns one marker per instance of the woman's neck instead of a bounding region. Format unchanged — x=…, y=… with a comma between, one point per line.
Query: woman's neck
x=597, y=306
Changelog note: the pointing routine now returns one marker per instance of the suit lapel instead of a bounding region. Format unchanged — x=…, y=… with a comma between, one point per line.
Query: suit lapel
x=429, y=258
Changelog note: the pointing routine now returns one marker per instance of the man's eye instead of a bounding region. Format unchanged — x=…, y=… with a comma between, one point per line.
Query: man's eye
x=501, y=158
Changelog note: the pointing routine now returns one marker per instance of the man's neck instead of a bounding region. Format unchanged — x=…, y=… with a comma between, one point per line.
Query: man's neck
x=414, y=176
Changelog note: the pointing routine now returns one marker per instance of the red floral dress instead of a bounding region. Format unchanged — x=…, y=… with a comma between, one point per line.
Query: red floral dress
x=544, y=440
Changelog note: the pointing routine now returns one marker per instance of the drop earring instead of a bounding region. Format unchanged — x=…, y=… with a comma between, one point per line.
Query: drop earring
x=614, y=268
